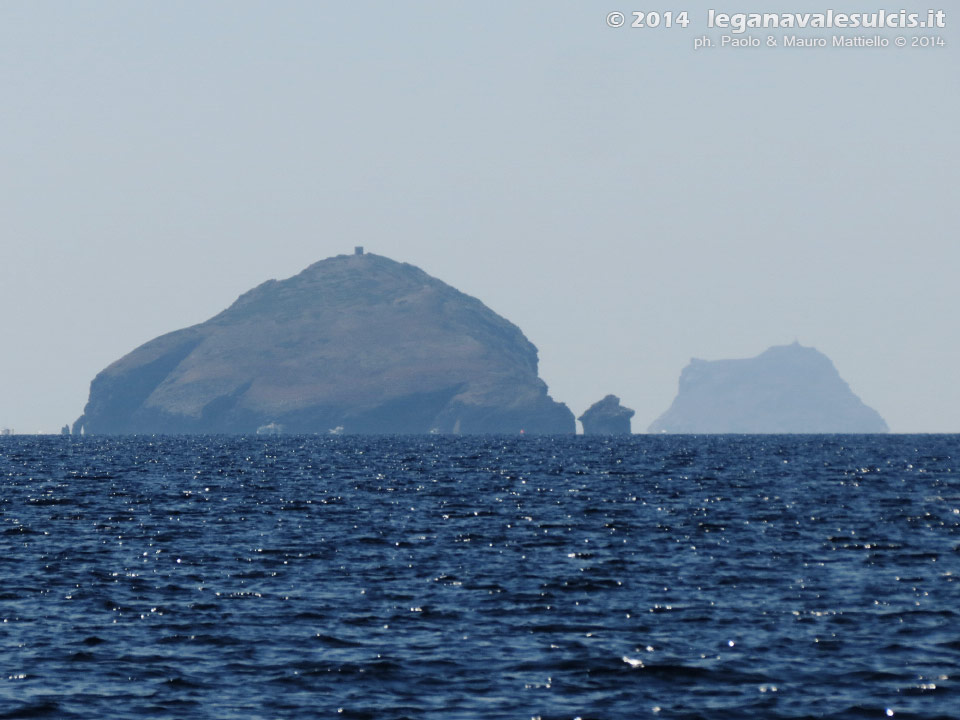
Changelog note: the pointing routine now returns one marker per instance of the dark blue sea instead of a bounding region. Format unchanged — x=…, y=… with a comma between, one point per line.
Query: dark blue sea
x=429, y=577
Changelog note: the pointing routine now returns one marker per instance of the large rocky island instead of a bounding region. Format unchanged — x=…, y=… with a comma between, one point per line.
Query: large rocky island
x=786, y=389
x=354, y=344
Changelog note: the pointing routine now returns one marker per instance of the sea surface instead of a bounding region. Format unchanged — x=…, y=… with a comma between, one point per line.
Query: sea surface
x=496, y=577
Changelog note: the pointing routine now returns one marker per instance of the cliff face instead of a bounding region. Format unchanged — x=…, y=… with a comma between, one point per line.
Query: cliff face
x=606, y=417
x=358, y=343
x=786, y=389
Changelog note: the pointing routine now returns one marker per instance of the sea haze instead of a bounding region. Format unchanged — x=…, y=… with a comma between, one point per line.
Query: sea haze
x=482, y=577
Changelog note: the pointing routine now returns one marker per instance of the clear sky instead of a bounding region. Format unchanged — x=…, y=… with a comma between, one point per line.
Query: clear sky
x=628, y=201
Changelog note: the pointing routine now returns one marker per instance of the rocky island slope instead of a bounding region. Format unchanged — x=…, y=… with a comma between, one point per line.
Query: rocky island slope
x=786, y=389
x=355, y=344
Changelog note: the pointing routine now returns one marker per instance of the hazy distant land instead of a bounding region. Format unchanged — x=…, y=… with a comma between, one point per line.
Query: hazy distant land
x=363, y=344
x=786, y=389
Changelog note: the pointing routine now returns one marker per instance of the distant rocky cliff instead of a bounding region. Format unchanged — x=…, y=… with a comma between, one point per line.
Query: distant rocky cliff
x=786, y=389
x=355, y=344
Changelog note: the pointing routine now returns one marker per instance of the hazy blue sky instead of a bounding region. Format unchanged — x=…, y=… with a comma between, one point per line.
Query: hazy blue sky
x=627, y=201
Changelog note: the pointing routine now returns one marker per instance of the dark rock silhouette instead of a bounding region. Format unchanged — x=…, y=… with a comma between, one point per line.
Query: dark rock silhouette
x=786, y=389
x=354, y=344
x=607, y=417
